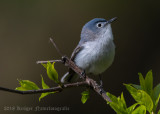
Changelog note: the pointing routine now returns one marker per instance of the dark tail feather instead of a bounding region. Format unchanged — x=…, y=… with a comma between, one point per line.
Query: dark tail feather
x=69, y=77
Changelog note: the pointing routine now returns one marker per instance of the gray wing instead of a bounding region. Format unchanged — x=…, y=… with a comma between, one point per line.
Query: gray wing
x=71, y=74
x=76, y=50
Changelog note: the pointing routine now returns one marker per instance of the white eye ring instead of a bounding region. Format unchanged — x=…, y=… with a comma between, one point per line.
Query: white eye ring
x=99, y=25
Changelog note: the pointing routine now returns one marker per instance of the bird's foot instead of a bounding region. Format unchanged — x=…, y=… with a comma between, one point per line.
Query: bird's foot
x=101, y=85
x=83, y=74
x=64, y=59
x=101, y=89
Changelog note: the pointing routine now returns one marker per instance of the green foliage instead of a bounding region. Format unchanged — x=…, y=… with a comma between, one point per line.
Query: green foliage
x=132, y=107
x=44, y=65
x=136, y=86
x=118, y=104
x=141, y=97
x=147, y=86
x=44, y=86
x=51, y=72
x=85, y=96
x=156, y=96
x=147, y=83
x=27, y=85
x=146, y=97
x=140, y=110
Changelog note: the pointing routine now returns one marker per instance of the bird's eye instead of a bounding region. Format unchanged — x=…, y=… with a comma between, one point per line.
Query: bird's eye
x=99, y=25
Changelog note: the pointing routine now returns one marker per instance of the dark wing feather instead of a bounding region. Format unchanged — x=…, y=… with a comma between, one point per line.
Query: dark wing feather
x=76, y=50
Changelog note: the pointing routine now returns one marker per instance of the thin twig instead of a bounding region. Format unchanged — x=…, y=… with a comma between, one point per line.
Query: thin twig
x=87, y=82
x=93, y=84
x=54, y=89
x=40, y=62
x=67, y=62
x=51, y=40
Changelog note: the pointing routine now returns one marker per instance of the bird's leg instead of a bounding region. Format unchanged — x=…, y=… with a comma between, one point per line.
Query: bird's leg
x=101, y=84
x=83, y=73
x=100, y=80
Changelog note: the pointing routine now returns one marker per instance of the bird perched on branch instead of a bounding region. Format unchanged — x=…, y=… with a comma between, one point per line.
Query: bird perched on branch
x=95, y=50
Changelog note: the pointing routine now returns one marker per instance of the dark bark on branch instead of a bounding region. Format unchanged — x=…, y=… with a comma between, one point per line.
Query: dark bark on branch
x=87, y=82
x=54, y=89
x=93, y=84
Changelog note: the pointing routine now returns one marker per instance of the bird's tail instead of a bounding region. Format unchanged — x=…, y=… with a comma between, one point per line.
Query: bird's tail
x=67, y=77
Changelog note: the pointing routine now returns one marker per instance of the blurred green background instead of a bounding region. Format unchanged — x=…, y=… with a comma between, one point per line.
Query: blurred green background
x=25, y=28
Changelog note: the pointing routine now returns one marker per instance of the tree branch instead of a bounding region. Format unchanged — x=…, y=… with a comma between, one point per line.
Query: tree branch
x=53, y=89
x=87, y=82
x=39, y=62
x=93, y=84
x=54, y=44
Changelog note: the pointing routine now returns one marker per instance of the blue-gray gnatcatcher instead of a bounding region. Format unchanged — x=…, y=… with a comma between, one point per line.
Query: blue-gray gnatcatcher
x=95, y=51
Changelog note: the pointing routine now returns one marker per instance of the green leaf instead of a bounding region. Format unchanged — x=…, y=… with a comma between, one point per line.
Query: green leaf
x=149, y=83
x=114, y=104
x=141, y=97
x=52, y=73
x=159, y=112
x=156, y=95
x=112, y=97
x=140, y=110
x=118, y=104
x=136, y=86
x=27, y=85
x=123, y=101
x=85, y=96
x=44, y=86
x=142, y=81
x=44, y=94
x=44, y=65
x=132, y=107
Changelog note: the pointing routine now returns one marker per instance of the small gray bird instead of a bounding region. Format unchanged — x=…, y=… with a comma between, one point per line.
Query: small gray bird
x=95, y=51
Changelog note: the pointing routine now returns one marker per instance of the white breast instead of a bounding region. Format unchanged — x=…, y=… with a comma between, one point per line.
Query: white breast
x=97, y=55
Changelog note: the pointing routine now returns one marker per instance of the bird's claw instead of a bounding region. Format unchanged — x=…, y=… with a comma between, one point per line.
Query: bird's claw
x=83, y=74
x=101, y=89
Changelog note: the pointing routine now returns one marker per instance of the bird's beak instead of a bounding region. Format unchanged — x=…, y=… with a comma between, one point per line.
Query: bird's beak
x=111, y=20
